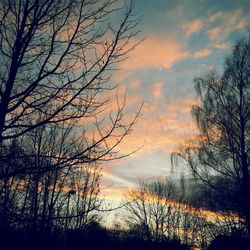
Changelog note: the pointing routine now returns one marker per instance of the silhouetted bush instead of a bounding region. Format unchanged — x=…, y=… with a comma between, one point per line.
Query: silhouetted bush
x=92, y=237
x=225, y=242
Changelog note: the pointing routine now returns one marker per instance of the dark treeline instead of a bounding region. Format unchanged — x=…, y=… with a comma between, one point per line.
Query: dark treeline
x=58, y=122
x=177, y=210
x=93, y=237
x=219, y=157
x=41, y=200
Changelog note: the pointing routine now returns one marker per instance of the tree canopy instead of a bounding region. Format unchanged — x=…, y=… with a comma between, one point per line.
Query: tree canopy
x=220, y=155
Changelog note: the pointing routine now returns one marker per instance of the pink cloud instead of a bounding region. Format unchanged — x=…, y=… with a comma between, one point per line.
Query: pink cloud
x=215, y=17
x=222, y=46
x=134, y=84
x=202, y=53
x=161, y=131
x=214, y=34
x=155, y=52
x=192, y=27
x=114, y=193
x=227, y=22
x=157, y=89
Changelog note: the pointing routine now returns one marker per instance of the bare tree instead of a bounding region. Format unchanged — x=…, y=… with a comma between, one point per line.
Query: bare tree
x=45, y=201
x=56, y=59
x=153, y=211
x=220, y=155
x=86, y=203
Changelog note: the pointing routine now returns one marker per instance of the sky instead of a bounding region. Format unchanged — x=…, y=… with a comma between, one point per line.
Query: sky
x=183, y=40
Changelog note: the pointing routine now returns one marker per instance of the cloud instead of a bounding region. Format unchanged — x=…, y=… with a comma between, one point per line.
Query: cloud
x=134, y=84
x=215, y=17
x=234, y=20
x=111, y=178
x=161, y=130
x=192, y=27
x=222, y=46
x=202, y=53
x=227, y=22
x=114, y=193
x=166, y=123
x=155, y=52
x=214, y=34
x=157, y=89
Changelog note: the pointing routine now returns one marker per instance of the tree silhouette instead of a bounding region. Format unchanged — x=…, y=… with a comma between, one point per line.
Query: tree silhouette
x=155, y=211
x=57, y=119
x=220, y=155
x=56, y=62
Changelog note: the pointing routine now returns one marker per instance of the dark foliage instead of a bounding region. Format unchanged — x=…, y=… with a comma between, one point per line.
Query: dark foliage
x=224, y=242
x=220, y=155
x=94, y=237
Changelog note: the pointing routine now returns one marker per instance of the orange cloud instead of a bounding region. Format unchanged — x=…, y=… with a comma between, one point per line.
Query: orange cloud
x=215, y=16
x=162, y=131
x=214, y=34
x=157, y=89
x=119, y=194
x=202, y=53
x=222, y=46
x=233, y=20
x=134, y=84
x=228, y=22
x=155, y=52
x=115, y=193
x=156, y=130
x=192, y=27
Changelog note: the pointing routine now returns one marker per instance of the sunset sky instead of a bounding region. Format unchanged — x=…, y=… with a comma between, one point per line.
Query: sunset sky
x=184, y=39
